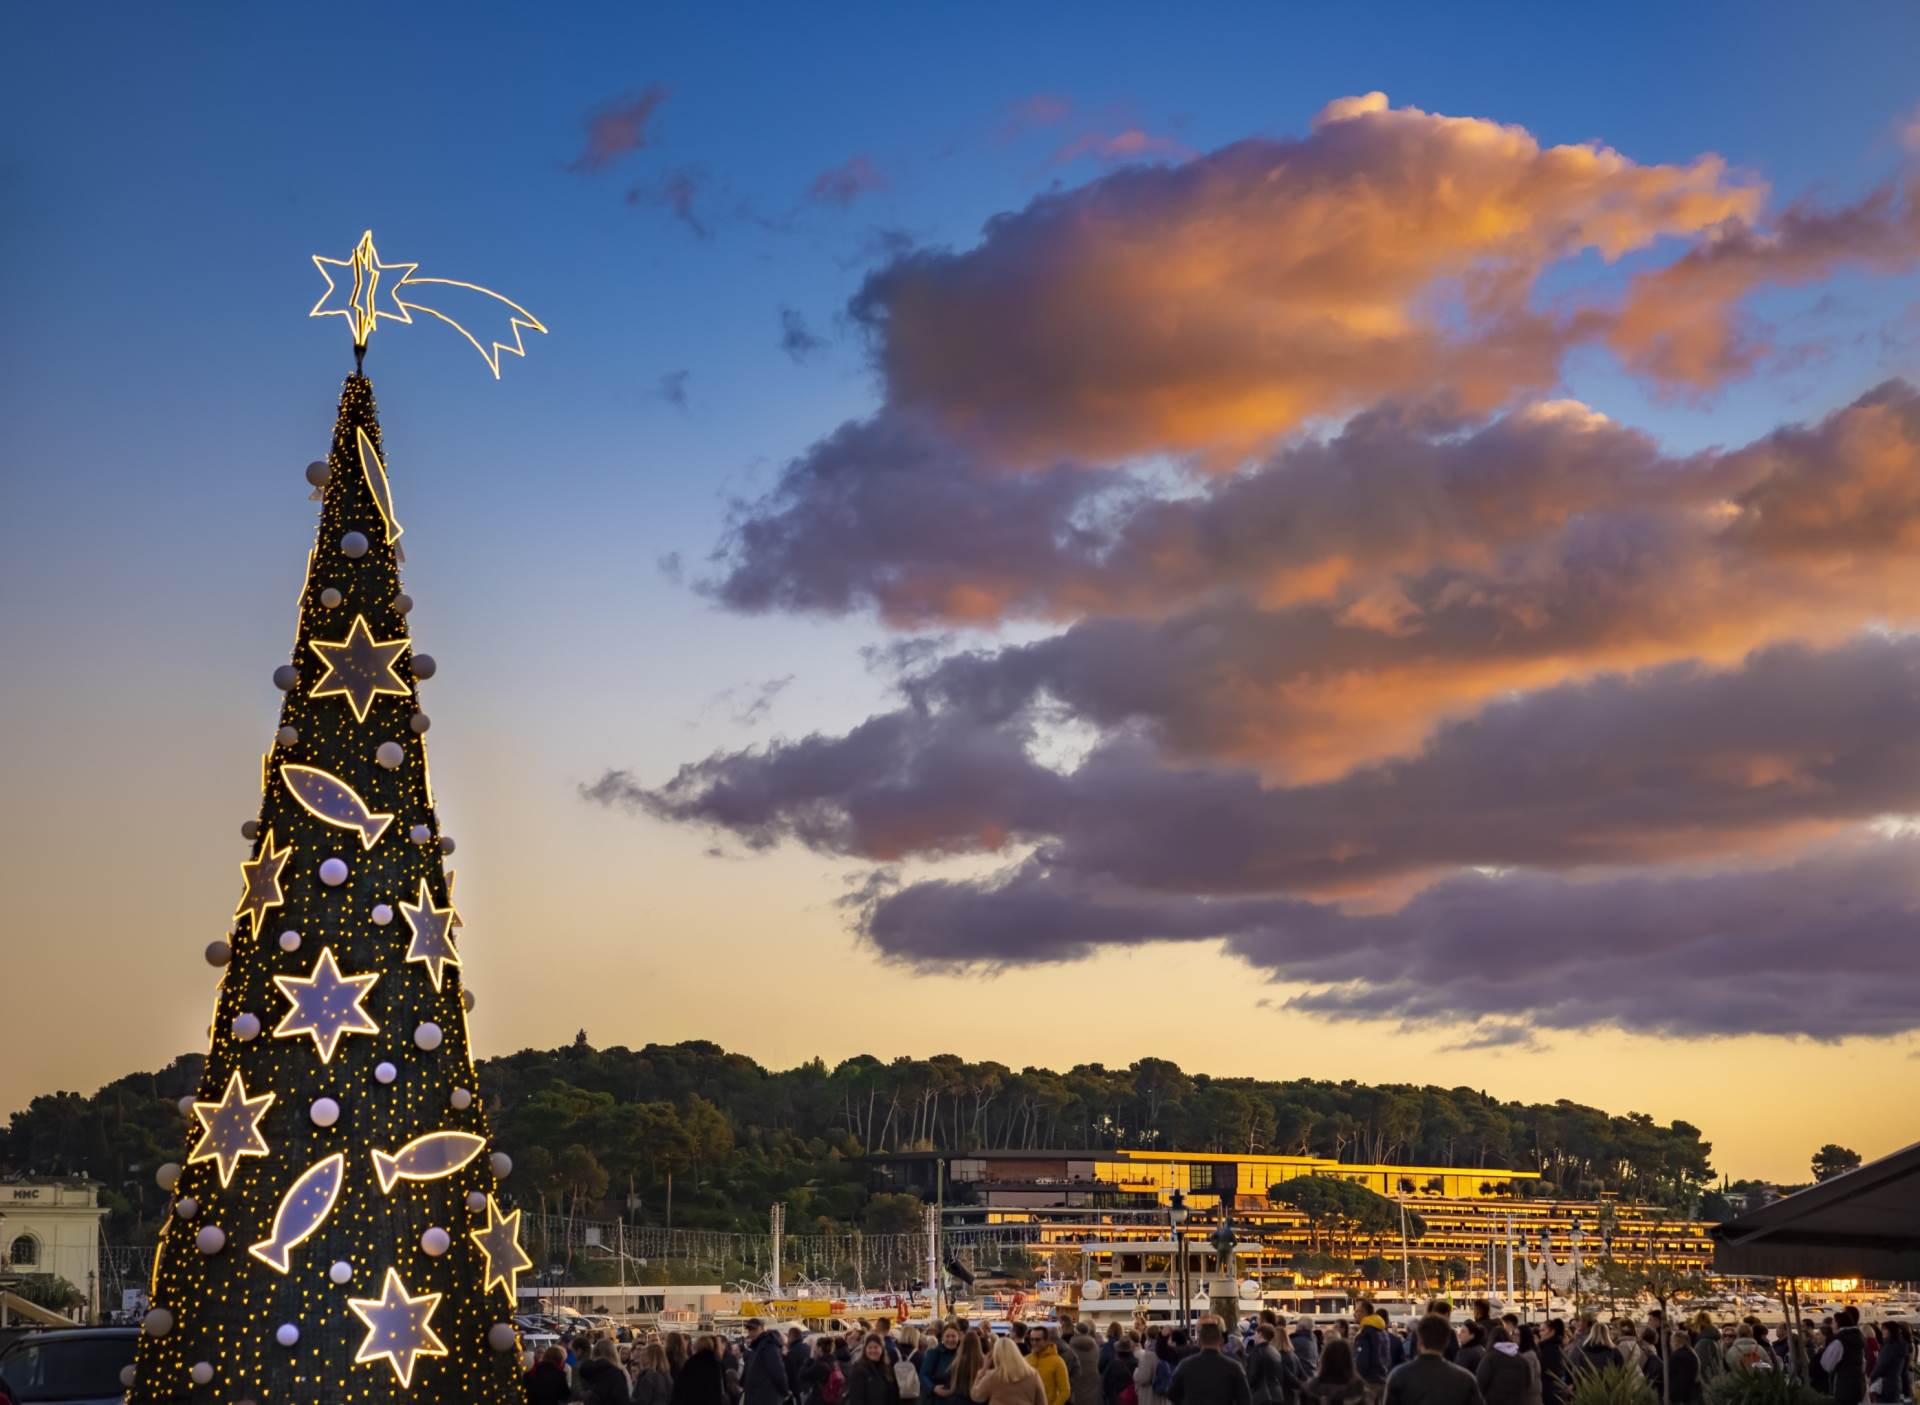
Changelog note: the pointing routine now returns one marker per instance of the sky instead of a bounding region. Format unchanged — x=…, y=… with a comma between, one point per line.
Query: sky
x=1365, y=542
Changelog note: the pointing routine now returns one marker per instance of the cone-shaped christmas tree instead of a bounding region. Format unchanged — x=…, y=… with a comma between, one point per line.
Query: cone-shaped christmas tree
x=336, y=1233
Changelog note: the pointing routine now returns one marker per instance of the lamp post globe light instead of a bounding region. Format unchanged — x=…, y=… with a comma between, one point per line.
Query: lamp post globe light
x=1177, y=1213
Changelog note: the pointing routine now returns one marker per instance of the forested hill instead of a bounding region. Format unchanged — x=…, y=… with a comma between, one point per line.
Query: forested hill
x=605, y=1128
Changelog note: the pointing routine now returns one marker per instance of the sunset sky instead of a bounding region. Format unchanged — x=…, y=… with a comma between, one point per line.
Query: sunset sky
x=1372, y=542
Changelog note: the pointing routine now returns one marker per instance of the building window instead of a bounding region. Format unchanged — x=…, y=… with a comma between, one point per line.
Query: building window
x=25, y=1252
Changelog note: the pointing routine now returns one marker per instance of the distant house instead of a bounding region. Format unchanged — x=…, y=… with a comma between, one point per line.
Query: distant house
x=51, y=1228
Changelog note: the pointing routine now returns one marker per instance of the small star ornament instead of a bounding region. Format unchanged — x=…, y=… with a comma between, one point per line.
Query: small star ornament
x=432, y=934
x=230, y=1128
x=360, y=668
x=499, y=1242
x=399, y=1327
x=260, y=882
x=326, y=1005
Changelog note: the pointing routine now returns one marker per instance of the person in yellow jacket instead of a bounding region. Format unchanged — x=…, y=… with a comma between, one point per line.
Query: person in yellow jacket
x=1044, y=1357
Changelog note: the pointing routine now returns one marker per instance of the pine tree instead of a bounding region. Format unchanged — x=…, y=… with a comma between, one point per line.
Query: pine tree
x=336, y=1231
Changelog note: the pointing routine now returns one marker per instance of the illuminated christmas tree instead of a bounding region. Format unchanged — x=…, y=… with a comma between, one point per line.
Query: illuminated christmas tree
x=336, y=1230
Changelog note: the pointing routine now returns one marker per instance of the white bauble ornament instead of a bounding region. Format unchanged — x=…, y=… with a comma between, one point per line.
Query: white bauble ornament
x=341, y=1272
x=126, y=1376
x=324, y=1112
x=390, y=755
x=424, y=667
x=420, y=722
x=461, y=1099
x=287, y=1334
x=402, y=603
x=250, y=829
x=330, y=597
x=286, y=678
x=500, y=1336
x=466, y=1001
x=186, y=1105
x=427, y=1035
x=289, y=940
x=288, y=736
x=354, y=545
x=333, y=872
x=318, y=473
x=157, y=1323
x=382, y=914
x=435, y=1242
x=218, y=953
x=477, y=1201
x=420, y=834
x=211, y=1239
x=446, y=844
x=385, y=1073
x=202, y=1372
x=167, y=1175
x=246, y=1026
x=186, y=1207
x=502, y=1165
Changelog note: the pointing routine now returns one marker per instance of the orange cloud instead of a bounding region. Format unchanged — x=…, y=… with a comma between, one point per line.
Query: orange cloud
x=1208, y=306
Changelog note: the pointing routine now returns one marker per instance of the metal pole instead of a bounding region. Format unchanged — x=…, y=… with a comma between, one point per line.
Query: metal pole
x=1509, y=1302
x=779, y=1228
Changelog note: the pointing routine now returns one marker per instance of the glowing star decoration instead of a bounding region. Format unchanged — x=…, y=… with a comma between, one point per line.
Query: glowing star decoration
x=326, y=1005
x=230, y=1128
x=432, y=934
x=426, y=1158
x=362, y=276
x=375, y=472
x=303, y=1209
x=399, y=1327
x=260, y=882
x=499, y=1241
x=326, y=797
x=360, y=668
x=356, y=293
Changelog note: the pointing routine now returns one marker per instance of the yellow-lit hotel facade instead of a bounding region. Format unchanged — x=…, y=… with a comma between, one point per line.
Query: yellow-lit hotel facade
x=1059, y=1201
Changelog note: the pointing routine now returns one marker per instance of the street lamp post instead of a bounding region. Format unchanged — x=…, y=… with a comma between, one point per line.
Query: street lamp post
x=1177, y=1213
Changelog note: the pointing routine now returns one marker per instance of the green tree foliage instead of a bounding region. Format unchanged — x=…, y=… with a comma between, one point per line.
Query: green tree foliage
x=1833, y=1160
x=731, y=1135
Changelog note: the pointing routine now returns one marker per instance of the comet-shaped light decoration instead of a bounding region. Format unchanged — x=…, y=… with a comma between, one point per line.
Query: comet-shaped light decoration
x=326, y=797
x=368, y=290
x=426, y=1158
x=303, y=1209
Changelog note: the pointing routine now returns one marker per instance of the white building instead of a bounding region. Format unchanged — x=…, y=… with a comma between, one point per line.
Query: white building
x=52, y=1227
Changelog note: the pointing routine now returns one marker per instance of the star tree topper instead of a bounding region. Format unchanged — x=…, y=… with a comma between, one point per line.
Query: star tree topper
x=364, y=290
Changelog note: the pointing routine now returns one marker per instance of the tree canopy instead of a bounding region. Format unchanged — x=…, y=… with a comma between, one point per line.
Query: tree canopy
x=717, y=1136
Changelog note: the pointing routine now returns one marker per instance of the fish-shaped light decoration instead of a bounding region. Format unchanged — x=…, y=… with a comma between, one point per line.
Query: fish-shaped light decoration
x=303, y=1209
x=426, y=1158
x=326, y=797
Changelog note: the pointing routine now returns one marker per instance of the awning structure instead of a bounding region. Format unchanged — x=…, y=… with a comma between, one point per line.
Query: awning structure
x=1864, y=1224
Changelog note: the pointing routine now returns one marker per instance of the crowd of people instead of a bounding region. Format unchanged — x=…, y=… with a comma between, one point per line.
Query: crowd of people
x=1261, y=1361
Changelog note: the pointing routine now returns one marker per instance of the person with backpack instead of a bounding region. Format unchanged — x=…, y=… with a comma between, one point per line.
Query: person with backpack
x=652, y=1384
x=872, y=1381
x=821, y=1381
x=1088, y=1380
x=1153, y=1371
x=1506, y=1374
x=1373, y=1353
x=1116, y=1382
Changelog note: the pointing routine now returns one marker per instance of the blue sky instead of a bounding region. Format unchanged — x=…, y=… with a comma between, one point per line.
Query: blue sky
x=168, y=172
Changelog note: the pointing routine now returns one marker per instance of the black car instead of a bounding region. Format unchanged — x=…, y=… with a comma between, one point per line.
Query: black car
x=76, y=1366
